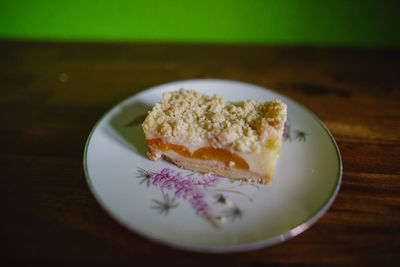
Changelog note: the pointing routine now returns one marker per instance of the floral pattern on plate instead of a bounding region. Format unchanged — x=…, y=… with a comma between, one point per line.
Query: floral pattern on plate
x=198, y=189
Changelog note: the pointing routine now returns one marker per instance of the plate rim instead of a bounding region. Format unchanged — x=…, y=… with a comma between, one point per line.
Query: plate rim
x=300, y=228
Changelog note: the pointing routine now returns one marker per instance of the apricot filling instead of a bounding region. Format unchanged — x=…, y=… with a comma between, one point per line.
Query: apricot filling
x=204, y=153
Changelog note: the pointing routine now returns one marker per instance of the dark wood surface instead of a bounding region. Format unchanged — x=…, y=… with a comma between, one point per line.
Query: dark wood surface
x=52, y=94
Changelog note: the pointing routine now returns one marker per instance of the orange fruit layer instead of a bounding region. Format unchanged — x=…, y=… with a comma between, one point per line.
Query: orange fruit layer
x=204, y=153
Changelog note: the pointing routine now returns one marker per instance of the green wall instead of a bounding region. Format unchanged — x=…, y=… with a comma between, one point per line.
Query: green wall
x=315, y=22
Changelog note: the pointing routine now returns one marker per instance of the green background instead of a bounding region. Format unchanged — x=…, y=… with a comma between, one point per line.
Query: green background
x=308, y=22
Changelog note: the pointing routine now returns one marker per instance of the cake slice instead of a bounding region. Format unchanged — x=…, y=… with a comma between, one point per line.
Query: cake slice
x=238, y=140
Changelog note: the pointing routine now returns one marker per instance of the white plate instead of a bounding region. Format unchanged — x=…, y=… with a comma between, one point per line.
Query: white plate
x=217, y=215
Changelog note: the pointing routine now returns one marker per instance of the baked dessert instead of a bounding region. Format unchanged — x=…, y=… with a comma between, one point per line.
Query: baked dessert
x=238, y=140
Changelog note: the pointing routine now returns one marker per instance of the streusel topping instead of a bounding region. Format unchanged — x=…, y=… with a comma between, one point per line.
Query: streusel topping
x=192, y=117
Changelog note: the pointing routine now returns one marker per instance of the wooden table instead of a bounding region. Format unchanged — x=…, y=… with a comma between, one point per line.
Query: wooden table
x=52, y=94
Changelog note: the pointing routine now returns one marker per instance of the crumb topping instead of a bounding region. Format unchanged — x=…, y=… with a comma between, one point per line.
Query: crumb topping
x=193, y=117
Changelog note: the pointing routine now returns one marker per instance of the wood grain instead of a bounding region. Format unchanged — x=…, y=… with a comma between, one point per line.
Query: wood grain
x=53, y=93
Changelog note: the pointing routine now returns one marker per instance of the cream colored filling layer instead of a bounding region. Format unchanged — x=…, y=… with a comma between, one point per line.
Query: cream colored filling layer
x=261, y=163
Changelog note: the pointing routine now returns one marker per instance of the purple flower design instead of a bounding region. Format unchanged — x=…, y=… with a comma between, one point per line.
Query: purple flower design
x=287, y=133
x=187, y=188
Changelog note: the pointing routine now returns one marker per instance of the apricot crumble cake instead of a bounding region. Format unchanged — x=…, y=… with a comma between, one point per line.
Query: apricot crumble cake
x=238, y=140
